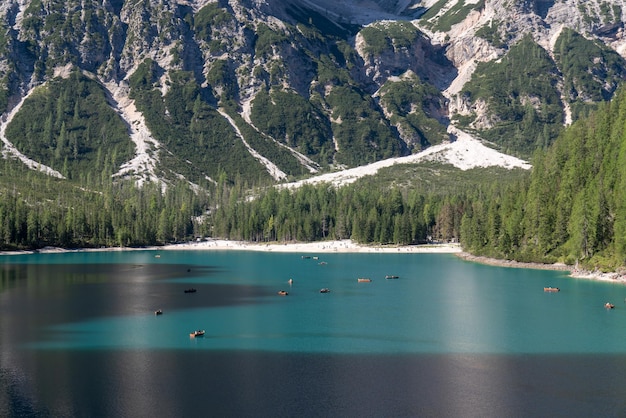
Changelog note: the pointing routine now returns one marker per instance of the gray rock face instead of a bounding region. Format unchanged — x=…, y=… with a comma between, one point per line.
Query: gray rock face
x=236, y=49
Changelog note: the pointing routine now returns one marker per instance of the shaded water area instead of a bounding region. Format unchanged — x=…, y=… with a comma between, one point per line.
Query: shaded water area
x=79, y=337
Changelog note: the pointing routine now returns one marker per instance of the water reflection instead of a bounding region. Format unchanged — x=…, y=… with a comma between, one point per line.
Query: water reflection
x=446, y=339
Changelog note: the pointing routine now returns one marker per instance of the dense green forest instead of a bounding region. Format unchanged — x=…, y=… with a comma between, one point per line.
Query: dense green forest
x=427, y=205
x=312, y=213
x=401, y=205
x=45, y=211
x=573, y=207
x=76, y=132
x=283, y=114
x=591, y=71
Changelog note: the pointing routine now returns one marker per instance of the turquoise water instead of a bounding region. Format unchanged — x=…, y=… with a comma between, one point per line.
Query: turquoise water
x=439, y=304
x=78, y=337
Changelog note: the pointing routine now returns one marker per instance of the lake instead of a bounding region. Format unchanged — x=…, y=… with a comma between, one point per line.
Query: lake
x=447, y=338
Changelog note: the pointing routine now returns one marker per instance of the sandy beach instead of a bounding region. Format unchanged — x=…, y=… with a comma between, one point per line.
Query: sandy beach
x=341, y=246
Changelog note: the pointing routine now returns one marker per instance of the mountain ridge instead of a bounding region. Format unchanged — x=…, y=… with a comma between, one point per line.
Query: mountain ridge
x=303, y=88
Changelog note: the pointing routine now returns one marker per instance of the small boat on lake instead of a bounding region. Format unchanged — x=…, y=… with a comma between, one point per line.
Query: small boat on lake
x=283, y=292
x=191, y=290
x=158, y=312
x=609, y=305
x=198, y=333
x=325, y=290
x=391, y=277
x=364, y=280
x=551, y=289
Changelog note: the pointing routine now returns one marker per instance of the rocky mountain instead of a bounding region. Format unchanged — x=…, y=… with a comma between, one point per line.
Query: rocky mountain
x=265, y=91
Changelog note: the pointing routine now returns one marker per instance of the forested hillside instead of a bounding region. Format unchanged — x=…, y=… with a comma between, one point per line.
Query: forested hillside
x=573, y=207
x=425, y=203
x=570, y=209
x=47, y=211
x=76, y=131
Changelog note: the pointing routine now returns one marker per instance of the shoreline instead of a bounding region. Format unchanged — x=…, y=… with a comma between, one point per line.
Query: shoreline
x=514, y=264
x=575, y=273
x=344, y=246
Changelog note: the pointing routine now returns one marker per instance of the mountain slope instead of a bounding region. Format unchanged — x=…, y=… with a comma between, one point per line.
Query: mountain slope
x=269, y=91
x=578, y=217
x=464, y=153
x=501, y=46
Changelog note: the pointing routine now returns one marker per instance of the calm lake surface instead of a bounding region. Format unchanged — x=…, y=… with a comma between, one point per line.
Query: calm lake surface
x=448, y=338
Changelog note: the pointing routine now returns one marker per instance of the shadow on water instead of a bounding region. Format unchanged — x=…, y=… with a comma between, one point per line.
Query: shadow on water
x=261, y=384
x=41, y=295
